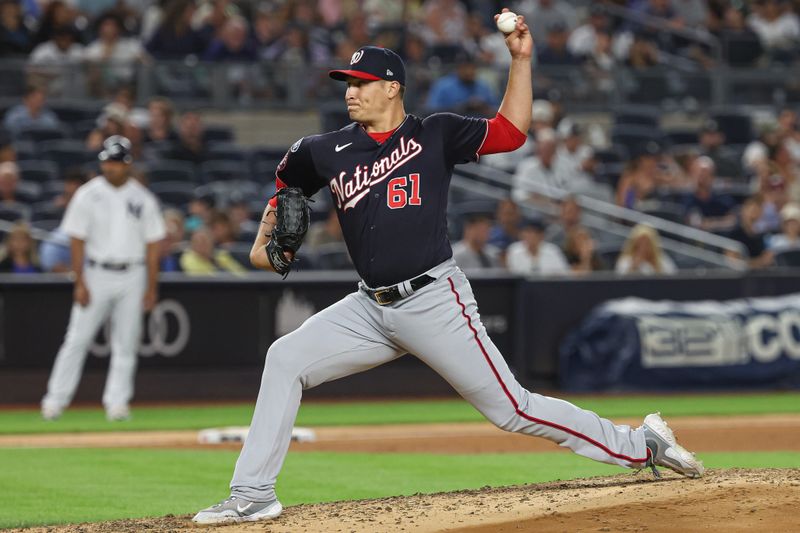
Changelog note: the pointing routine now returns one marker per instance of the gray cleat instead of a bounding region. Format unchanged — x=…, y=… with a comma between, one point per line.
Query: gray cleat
x=233, y=510
x=665, y=450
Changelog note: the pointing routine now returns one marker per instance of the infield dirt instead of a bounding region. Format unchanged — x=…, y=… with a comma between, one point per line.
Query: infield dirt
x=723, y=501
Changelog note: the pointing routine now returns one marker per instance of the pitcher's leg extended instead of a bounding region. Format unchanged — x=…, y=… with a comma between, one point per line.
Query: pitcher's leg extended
x=341, y=340
x=455, y=344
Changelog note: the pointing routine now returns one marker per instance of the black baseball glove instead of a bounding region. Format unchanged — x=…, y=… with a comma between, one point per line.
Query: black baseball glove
x=293, y=218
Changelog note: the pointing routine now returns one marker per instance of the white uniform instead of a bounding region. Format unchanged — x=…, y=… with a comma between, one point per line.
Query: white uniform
x=116, y=224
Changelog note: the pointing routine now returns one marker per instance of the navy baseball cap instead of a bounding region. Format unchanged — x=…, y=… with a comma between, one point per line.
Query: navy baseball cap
x=373, y=63
x=116, y=148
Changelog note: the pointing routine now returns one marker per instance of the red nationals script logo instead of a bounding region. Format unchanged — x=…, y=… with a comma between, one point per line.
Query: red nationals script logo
x=349, y=192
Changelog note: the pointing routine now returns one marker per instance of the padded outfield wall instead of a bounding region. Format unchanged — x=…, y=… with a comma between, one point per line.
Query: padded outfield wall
x=207, y=338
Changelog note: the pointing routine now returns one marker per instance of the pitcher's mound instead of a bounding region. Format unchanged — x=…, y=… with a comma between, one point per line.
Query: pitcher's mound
x=723, y=501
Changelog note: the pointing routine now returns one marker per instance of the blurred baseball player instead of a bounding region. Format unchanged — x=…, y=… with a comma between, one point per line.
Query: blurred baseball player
x=114, y=224
x=388, y=173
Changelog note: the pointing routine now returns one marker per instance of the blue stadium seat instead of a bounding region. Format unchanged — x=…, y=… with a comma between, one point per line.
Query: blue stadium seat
x=38, y=171
x=174, y=193
x=224, y=171
x=788, y=258
x=12, y=212
x=737, y=127
x=37, y=134
x=218, y=133
x=170, y=170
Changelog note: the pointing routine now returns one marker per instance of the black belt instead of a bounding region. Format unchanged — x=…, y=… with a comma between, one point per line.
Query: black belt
x=115, y=267
x=389, y=295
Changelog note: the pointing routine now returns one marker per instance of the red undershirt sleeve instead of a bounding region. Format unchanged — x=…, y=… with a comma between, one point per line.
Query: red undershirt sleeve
x=278, y=186
x=501, y=136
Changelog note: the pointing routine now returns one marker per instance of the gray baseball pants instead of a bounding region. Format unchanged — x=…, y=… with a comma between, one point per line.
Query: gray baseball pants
x=440, y=324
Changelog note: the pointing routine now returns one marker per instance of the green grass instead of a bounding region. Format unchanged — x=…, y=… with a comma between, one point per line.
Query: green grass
x=399, y=412
x=49, y=486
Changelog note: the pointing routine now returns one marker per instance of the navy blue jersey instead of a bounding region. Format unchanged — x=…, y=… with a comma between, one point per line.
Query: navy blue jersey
x=391, y=197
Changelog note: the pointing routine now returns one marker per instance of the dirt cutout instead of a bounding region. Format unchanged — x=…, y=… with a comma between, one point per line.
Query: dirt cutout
x=723, y=501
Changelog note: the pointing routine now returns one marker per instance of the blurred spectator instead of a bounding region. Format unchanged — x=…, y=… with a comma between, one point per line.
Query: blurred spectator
x=73, y=179
x=20, y=252
x=57, y=14
x=325, y=231
x=704, y=208
x=642, y=254
x=175, y=37
x=112, y=121
x=777, y=26
x=173, y=245
x=573, y=156
x=268, y=28
x=643, y=52
x=583, y=40
x=9, y=181
x=533, y=255
x=7, y=151
x=54, y=253
x=789, y=239
x=473, y=251
x=712, y=144
x=691, y=13
x=554, y=52
x=192, y=145
x=543, y=169
x=569, y=218
x=747, y=233
x=641, y=177
x=741, y=46
x=57, y=61
x=233, y=43
x=542, y=14
x=462, y=92
x=506, y=228
x=203, y=258
x=243, y=224
x=601, y=64
x=112, y=55
x=580, y=251
x=486, y=44
x=31, y=113
x=159, y=126
x=199, y=213
x=781, y=163
x=15, y=39
x=446, y=22
x=222, y=229
x=788, y=129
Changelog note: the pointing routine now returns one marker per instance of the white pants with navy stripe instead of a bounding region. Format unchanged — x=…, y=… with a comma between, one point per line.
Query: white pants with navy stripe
x=440, y=324
x=112, y=295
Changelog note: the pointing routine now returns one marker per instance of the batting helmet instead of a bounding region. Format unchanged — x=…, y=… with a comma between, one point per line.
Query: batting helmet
x=116, y=148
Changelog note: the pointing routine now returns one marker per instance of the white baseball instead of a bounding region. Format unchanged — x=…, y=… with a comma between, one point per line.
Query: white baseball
x=507, y=22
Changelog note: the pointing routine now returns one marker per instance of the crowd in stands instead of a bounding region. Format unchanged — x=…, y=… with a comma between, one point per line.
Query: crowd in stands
x=726, y=174
x=109, y=39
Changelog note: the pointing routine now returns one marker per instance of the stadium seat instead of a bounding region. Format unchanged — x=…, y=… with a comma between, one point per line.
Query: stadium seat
x=46, y=210
x=665, y=210
x=218, y=133
x=38, y=171
x=47, y=224
x=37, y=135
x=609, y=254
x=73, y=113
x=224, y=171
x=174, y=193
x=634, y=137
x=643, y=117
x=737, y=127
x=12, y=212
x=226, y=152
x=240, y=251
x=677, y=136
x=29, y=191
x=66, y=153
x=788, y=258
x=171, y=170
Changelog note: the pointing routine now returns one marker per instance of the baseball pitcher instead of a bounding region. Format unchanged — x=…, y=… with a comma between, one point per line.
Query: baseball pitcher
x=388, y=173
